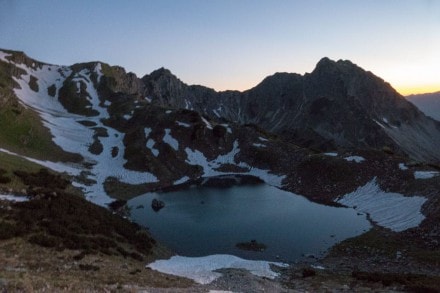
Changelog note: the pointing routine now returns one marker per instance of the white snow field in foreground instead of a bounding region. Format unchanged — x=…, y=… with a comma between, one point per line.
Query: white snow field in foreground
x=202, y=269
x=390, y=210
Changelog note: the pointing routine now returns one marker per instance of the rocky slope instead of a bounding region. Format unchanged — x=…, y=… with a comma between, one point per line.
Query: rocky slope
x=337, y=105
x=124, y=135
x=427, y=103
x=117, y=136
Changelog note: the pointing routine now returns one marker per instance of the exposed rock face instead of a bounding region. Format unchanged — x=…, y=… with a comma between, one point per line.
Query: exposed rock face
x=337, y=105
x=132, y=139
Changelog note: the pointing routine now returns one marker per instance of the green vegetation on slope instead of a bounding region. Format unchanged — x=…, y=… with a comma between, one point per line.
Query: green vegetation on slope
x=21, y=128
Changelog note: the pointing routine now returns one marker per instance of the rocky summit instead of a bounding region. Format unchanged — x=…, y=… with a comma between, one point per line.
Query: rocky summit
x=339, y=135
x=338, y=105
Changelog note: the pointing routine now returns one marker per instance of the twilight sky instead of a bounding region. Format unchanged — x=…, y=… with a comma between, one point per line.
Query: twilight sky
x=232, y=44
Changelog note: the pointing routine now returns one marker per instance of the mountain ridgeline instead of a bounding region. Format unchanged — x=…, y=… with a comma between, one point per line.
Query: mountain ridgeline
x=155, y=132
x=338, y=105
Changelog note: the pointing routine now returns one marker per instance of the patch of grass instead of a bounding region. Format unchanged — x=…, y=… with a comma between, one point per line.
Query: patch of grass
x=9, y=164
x=4, y=179
x=43, y=178
x=23, y=132
x=21, y=128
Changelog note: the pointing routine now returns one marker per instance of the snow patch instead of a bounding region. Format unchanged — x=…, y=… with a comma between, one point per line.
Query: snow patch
x=128, y=116
x=167, y=138
x=390, y=210
x=98, y=71
x=147, y=131
x=208, y=125
x=259, y=145
x=210, y=168
x=202, y=269
x=181, y=180
x=425, y=174
x=3, y=56
x=150, y=145
x=228, y=128
x=15, y=198
x=262, y=138
x=148, y=99
x=403, y=167
x=331, y=154
x=168, y=112
x=55, y=166
x=183, y=124
x=356, y=159
x=318, y=267
x=188, y=105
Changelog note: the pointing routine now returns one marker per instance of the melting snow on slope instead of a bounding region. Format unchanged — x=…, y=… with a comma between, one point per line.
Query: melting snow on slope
x=202, y=269
x=425, y=174
x=356, y=159
x=55, y=166
x=74, y=137
x=390, y=210
x=181, y=180
x=3, y=56
x=209, y=167
x=167, y=138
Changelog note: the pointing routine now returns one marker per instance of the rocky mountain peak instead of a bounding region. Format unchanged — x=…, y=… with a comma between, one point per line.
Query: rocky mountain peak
x=160, y=73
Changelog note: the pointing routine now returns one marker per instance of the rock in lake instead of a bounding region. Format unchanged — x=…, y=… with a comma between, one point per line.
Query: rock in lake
x=157, y=205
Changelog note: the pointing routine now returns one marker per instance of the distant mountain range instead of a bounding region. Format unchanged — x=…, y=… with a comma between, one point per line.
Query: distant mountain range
x=427, y=103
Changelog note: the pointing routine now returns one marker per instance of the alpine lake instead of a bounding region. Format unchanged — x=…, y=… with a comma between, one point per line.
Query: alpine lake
x=258, y=222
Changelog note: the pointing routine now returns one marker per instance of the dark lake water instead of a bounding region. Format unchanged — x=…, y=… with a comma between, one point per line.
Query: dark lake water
x=202, y=221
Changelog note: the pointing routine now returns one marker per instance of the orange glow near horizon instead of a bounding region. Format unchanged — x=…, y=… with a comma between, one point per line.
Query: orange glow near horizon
x=415, y=90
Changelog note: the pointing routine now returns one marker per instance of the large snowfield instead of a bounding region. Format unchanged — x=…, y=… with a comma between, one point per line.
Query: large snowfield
x=203, y=269
x=390, y=210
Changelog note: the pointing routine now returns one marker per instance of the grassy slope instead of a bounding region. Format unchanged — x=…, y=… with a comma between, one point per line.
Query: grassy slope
x=21, y=129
